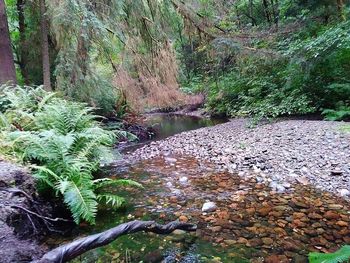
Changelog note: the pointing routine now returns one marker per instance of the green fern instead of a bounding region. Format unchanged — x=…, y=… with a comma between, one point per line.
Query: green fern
x=106, y=182
x=64, y=144
x=111, y=199
x=81, y=200
x=341, y=255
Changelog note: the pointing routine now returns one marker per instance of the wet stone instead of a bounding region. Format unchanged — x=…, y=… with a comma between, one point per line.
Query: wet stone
x=246, y=215
x=209, y=207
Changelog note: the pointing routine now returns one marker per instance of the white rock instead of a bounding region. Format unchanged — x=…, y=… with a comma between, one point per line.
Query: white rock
x=344, y=192
x=183, y=179
x=170, y=160
x=209, y=207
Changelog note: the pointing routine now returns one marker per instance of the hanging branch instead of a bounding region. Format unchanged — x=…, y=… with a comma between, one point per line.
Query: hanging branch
x=74, y=249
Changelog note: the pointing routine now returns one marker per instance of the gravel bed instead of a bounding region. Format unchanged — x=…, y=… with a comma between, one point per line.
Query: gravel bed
x=287, y=151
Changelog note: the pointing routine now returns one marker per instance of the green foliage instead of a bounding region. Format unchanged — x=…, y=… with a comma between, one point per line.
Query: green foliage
x=257, y=89
x=65, y=145
x=340, y=113
x=341, y=255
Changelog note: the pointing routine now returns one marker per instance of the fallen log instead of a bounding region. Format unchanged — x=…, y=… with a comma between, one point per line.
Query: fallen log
x=72, y=250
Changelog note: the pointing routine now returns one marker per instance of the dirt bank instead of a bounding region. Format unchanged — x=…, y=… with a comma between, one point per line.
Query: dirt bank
x=17, y=235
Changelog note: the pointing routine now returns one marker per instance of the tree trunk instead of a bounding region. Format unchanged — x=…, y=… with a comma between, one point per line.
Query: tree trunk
x=23, y=53
x=275, y=12
x=251, y=13
x=7, y=64
x=266, y=11
x=340, y=7
x=45, y=46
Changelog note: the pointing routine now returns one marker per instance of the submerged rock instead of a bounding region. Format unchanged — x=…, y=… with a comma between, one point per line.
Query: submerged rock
x=183, y=179
x=209, y=207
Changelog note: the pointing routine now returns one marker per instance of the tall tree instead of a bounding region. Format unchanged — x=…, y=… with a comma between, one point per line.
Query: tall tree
x=340, y=6
x=7, y=65
x=45, y=46
x=22, y=57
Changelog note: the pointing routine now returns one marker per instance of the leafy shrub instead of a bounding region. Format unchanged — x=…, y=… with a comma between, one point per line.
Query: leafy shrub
x=342, y=255
x=340, y=113
x=64, y=144
x=257, y=88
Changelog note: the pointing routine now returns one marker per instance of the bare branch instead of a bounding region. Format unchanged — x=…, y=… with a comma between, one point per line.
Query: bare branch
x=72, y=250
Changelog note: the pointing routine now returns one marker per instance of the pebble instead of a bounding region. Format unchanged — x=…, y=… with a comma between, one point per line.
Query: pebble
x=183, y=179
x=272, y=149
x=209, y=207
x=344, y=192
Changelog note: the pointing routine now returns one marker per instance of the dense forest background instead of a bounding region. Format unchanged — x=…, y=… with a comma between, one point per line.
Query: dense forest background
x=264, y=58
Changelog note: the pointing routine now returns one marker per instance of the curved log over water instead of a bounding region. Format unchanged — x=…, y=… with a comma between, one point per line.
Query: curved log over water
x=72, y=250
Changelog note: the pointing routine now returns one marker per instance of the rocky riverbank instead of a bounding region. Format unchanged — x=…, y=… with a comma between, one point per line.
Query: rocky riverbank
x=284, y=152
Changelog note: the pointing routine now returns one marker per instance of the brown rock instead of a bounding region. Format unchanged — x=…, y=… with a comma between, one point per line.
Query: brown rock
x=250, y=211
x=173, y=199
x=276, y=259
x=298, y=223
x=267, y=241
x=297, y=215
x=264, y=211
x=215, y=229
x=315, y=216
x=335, y=206
x=290, y=246
x=230, y=242
x=183, y=219
x=320, y=231
x=311, y=232
x=276, y=214
x=331, y=215
x=255, y=242
x=342, y=224
x=280, y=231
x=242, y=240
x=281, y=223
x=346, y=239
x=300, y=259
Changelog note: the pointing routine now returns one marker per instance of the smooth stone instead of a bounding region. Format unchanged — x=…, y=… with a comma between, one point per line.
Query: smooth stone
x=209, y=207
x=344, y=192
x=183, y=179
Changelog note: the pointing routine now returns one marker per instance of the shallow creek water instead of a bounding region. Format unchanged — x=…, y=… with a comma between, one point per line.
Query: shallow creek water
x=251, y=224
x=165, y=125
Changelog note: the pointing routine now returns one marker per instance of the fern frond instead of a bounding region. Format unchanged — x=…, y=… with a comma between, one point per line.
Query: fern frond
x=81, y=201
x=111, y=199
x=106, y=182
x=45, y=100
x=341, y=255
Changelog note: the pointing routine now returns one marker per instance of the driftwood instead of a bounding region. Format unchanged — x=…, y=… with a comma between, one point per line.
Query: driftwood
x=72, y=250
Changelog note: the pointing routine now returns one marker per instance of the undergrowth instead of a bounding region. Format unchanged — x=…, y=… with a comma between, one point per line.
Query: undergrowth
x=63, y=143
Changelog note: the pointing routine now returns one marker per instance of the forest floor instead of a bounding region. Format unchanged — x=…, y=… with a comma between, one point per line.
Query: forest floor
x=283, y=152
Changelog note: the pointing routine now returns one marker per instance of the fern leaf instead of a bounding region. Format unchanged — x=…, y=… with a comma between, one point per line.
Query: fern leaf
x=341, y=255
x=105, y=182
x=45, y=100
x=81, y=201
x=111, y=199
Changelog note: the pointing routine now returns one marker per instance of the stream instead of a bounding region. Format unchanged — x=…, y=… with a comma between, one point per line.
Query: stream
x=252, y=223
